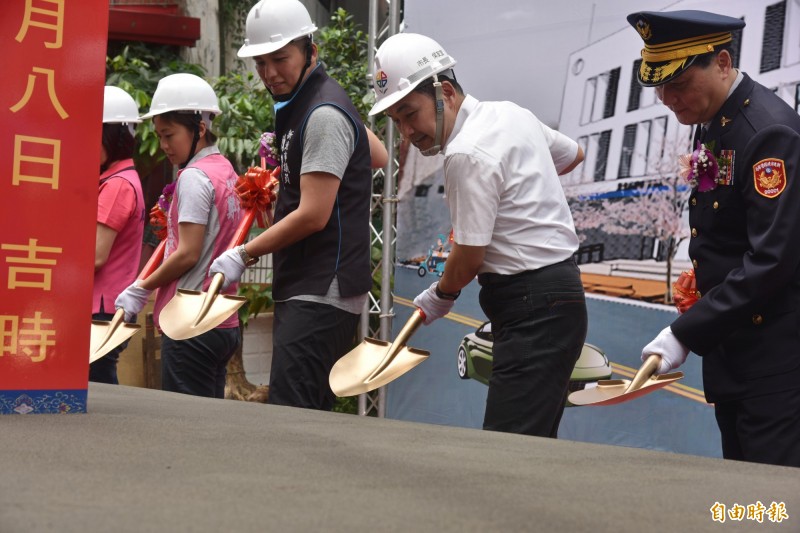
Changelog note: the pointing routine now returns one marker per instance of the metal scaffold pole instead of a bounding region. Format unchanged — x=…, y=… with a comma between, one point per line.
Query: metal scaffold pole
x=383, y=204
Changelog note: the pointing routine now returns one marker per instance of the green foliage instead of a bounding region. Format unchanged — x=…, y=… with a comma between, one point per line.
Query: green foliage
x=259, y=298
x=343, y=47
x=246, y=114
x=348, y=405
x=136, y=69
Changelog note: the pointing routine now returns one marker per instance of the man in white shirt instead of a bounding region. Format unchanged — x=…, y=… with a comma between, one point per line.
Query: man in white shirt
x=511, y=224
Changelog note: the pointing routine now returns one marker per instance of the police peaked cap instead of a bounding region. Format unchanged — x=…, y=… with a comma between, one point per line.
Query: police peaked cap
x=674, y=39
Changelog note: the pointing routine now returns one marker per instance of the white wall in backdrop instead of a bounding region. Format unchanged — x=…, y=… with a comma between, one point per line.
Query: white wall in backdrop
x=519, y=50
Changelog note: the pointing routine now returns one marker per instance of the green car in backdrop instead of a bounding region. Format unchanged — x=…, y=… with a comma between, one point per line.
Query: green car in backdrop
x=474, y=360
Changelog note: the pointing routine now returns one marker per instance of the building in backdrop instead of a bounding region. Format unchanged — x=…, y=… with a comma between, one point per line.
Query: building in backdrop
x=631, y=140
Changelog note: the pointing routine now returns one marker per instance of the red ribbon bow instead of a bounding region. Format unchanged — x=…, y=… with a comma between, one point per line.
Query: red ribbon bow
x=684, y=291
x=159, y=222
x=256, y=190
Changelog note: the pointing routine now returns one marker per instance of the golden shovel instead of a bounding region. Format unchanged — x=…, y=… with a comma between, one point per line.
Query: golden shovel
x=108, y=335
x=375, y=363
x=614, y=391
x=191, y=313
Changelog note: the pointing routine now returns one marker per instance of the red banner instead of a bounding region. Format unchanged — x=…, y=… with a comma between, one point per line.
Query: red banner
x=51, y=112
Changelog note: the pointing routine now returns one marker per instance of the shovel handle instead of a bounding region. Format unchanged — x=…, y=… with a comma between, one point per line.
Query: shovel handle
x=154, y=261
x=645, y=372
x=218, y=279
x=116, y=321
x=417, y=318
x=243, y=229
x=209, y=297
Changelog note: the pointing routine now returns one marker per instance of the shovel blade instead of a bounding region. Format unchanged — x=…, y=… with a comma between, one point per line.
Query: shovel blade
x=103, y=339
x=613, y=391
x=350, y=375
x=186, y=316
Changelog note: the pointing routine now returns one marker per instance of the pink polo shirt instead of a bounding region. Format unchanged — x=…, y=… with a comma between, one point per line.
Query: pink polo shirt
x=120, y=206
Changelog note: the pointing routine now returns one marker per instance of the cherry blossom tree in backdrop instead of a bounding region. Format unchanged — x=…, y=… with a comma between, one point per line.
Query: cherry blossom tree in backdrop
x=653, y=210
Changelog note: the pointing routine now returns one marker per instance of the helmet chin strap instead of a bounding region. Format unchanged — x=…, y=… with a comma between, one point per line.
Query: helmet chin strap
x=288, y=96
x=195, y=140
x=437, y=139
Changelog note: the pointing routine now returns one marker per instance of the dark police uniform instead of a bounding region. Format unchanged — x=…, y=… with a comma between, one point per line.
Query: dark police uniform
x=745, y=249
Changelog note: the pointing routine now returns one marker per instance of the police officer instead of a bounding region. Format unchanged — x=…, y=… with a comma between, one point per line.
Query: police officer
x=744, y=213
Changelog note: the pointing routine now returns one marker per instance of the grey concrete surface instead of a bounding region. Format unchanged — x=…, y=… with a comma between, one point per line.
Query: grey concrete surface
x=144, y=460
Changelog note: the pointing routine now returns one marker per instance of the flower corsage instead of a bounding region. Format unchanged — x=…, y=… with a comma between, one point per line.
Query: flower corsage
x=701, y=169
x=268, y=150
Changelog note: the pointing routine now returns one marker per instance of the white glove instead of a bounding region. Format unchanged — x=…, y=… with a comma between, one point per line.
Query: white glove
x=433, y=306
x=672, y=351
x=132, y=300
x=230, y=265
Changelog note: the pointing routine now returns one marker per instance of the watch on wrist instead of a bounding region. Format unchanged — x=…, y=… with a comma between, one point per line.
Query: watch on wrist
x=446, y=295
x=247, y=259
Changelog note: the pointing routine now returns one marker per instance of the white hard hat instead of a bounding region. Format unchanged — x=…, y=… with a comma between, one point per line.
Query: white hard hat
x=183, y=92
x=119, y=107
x=272, y=24
x=404, y=61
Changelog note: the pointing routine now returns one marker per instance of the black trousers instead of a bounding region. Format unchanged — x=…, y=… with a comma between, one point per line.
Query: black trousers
x=539, y=323
x=765, y=429
x=198, y=366
x=308, y=339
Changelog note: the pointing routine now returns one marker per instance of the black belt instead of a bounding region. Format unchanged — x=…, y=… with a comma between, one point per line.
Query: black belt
x=490, y=278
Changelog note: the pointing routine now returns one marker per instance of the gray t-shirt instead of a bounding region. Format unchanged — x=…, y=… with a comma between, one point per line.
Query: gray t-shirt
x=196, y=205
x=329, y=141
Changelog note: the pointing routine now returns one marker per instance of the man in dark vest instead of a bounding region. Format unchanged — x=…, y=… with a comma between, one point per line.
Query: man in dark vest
x=320, y=239
x=744, y=214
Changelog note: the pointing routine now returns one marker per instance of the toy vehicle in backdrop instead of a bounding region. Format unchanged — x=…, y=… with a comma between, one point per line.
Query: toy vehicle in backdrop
x=437, y=255
x=474, y=360
x=434, y=263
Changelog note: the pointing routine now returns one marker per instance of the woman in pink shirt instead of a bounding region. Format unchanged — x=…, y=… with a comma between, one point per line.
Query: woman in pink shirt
x=120, y=219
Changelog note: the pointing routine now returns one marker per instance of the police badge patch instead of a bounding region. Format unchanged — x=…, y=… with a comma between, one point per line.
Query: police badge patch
x=769, y=177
